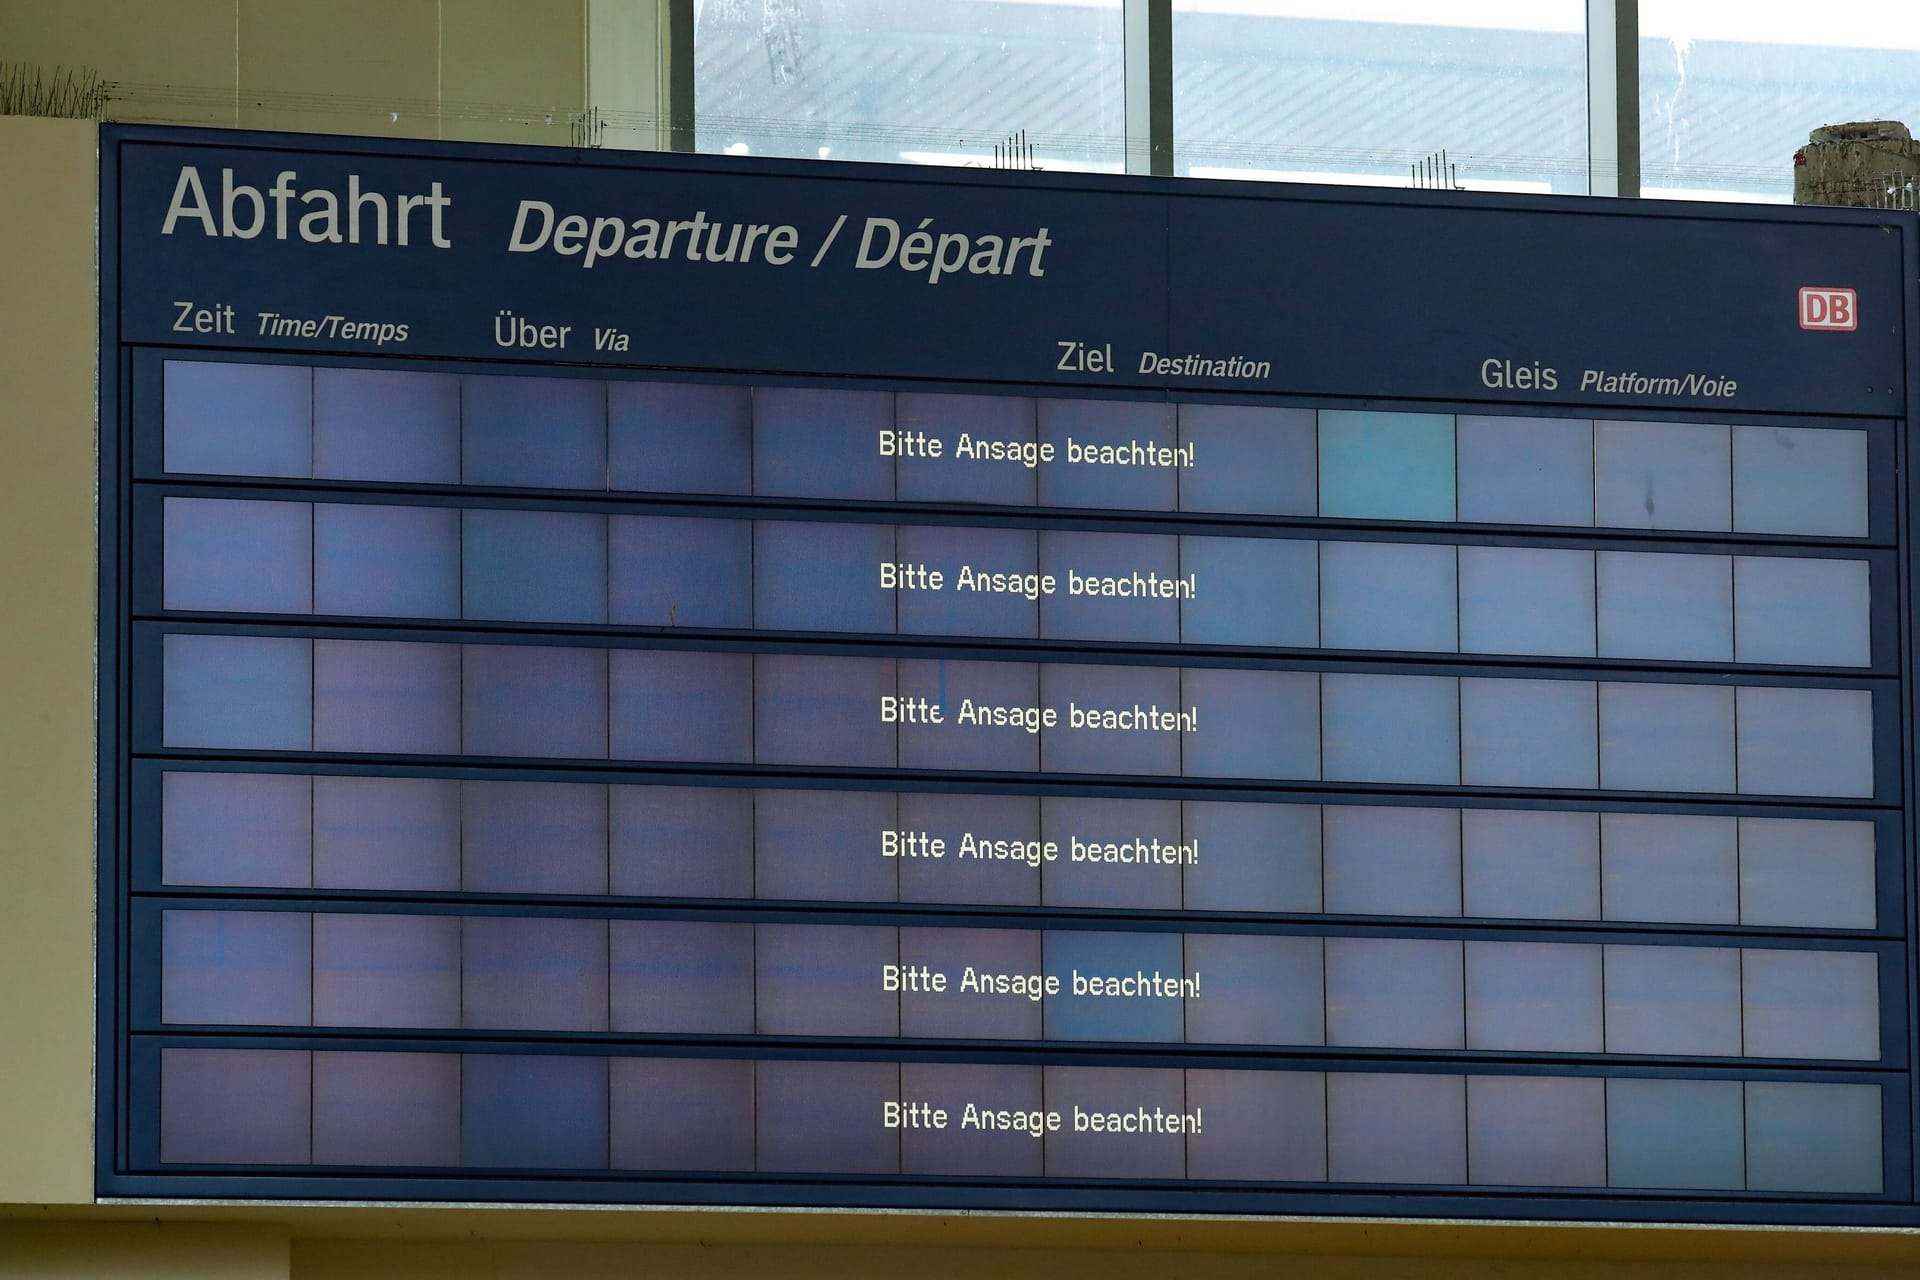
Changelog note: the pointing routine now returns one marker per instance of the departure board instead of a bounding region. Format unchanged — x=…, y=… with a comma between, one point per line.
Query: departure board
x=669, y=680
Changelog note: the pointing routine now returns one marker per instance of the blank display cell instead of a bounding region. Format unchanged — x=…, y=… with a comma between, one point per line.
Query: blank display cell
x=1802, y=611
x=681, y=976
x=682, y=1113
x=671, y=842
x=1534, y=997
x=533, y=1112
x=1528, y=733
x=822, y=844
x=533, y=701
x=810, y=443
x=1525, y=1132
x=1392, y=861
x=1665, y=867
x=1257, y=857
x=1810, y=1004
x=386, y=970
x=813, y=576
x=677, y=705
x=534, y=973
x=1402, y=993
x=1662, y=475
x=824, y=980
x=237, y=419
x=1526, y=470
x=669, y=572
x=251, y=829
x=1258, y=591
x=1526, y=600
x=1257, y=723
x=1653, y=605
x=237, y=691
x=533, y=837
x=1385, y=1127
x=1813, y=742
x=1260, y=990
x=240, y=557
x=820, y=1117
x=386, y=562
x=1800, y=480
x=534, y=566
x=1386, y=466
x=1806, y=872
x=1822, y=1138
x=236, y=968
x=672, y=437
x=810, y=710
x=1278, y=1131
x=1388, y=595
x=546, y=433
x=1247, y=459
x=394, y=1109
x=1530, y=864
x=1666, y=737
x=1390, y=729
x=1675, y=1133
x=391, y=425
x=1673, y=1000
x=386, y=833
x=236, y=1106
x=386, y=696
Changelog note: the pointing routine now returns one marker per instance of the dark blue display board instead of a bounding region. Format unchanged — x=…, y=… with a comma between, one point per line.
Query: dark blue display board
x=641, y=679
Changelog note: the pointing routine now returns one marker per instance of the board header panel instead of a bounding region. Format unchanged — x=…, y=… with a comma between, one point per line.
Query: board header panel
x=1201, y=288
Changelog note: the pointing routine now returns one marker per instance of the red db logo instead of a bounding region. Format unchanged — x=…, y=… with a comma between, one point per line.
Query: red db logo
x=1828, y=309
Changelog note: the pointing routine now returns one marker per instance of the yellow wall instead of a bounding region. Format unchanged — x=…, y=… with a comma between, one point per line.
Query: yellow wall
x=48, y=327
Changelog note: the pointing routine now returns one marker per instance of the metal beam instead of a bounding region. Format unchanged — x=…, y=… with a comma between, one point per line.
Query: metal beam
x=1613, y=97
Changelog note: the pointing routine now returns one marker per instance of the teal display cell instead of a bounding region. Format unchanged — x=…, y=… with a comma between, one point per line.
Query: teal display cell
x=1386, y=466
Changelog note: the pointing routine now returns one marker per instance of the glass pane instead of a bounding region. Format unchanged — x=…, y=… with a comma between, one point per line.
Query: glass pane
x=1675, y=1133
x=1812, y=612
x=1250, y=460
x=1813, y=1137
x=1665, y=606
x=1097, y=971
x=1815, y=874
x=386, y=970
x=1113, y=853
x=1258, y=857
x=534, y=974
x=1259, y=723
x=824, y=980
x=249, y=829
x=987, y=448
x=991, y=581
x=1662, y=475
x=819, y=1117
x=1533, y=997
x=391, y=562
x=1504, y=85
x=1385, y=1127
x=694, y=842
x=990, y=850
x=668, y=572
x=1666, y=737
x=236, y=967
x=682, y=1113
x=1256, y=591
x=533, y=837
x=1396, y=993
x=238, y=557
x=822, y=844
x=669, y=437
x=382, y=695
x=1525, y=1132
x=1279, y=1129
x=1528, y=733
x=238, y=691
x=1526, y=470
x=236, y=1106
x=1800, y=480
x=527, y=1112
x=534, y=566
x=1526, y=600
x=810, y=576
x=1673, y=1000
x=1386, y=466
x=238, y=419
x=969, y=1009
x=1113, y=1095
x=671, y=705
x=1669, y=867
x=548, y=433
x=1113, y=586
x=386, y=833
x=1261, y=990
x=821, y=444
x=1390, y=729
x=527, y=701
x=1811, y=1004
x=1392, y=862
x=386, y=1108
x=1531, y=864
x=1136, y=432
x=961, y=1148
x=855, y=83
x=386, y=424
x=681, y=976
x=811, y=710
x=1388, y=595
x=1813, y=742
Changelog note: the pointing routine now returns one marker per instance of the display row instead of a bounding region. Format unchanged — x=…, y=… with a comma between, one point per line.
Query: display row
x=407, y=427
x=428, y=1111
x=291, y=831
x=700, y=977
x=290, y=693
x=345, y=559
